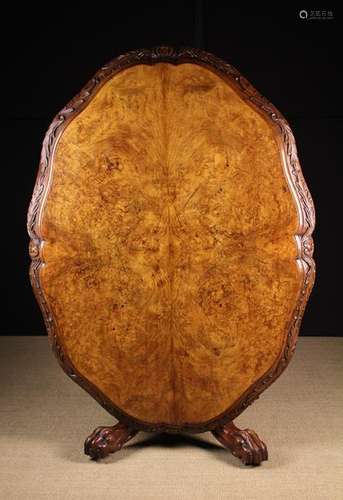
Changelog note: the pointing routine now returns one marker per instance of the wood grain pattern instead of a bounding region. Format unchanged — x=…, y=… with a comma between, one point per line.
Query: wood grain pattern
x=170, y=257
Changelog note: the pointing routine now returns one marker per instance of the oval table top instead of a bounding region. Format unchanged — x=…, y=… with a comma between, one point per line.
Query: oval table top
x=172, y=243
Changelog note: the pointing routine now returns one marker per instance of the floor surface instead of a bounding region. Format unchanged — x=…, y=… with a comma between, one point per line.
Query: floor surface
x=45, y=417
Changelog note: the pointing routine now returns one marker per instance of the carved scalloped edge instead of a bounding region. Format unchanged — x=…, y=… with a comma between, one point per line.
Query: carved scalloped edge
x=297, y=184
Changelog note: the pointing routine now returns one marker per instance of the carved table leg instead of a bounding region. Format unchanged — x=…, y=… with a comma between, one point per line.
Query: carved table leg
x=106, y=440
x=243, y=443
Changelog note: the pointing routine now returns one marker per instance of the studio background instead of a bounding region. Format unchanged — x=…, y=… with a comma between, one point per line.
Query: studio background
x=48, y=56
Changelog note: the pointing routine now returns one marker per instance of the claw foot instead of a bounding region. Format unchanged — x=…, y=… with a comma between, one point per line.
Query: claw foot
x=243, y=443
x=106, y=440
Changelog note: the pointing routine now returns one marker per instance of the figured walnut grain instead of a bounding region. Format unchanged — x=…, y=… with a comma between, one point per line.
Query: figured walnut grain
x=169, y=259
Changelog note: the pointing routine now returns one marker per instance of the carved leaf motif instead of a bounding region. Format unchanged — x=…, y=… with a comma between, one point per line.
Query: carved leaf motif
x=300, y=191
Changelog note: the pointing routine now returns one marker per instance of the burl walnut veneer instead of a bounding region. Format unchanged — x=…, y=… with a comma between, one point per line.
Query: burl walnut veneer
x=171, y=246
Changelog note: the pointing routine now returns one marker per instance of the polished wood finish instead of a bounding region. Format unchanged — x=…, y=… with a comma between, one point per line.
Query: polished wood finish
x=171, y=240
x=170, y=261
x=105, y=440
x=243, y=444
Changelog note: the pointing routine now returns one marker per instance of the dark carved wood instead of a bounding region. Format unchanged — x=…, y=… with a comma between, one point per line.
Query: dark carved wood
x=303, y=238
x=243, y=443
x=106, y=440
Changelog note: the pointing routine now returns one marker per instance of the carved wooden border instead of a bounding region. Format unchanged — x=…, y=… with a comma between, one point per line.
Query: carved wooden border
x=292, y=170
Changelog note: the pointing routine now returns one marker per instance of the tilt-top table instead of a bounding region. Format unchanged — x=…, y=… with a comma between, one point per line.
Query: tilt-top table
x=171, y=246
